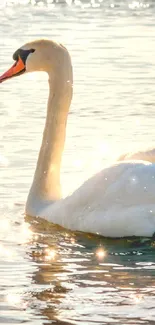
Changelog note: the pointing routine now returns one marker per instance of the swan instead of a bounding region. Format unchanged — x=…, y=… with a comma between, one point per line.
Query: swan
x=118, y=201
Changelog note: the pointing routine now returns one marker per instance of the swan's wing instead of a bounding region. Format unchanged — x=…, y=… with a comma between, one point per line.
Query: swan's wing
x=119, y=201
x=146, y=155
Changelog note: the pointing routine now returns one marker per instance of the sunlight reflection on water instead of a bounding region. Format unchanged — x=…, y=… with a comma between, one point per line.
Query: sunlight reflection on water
x=48, y=274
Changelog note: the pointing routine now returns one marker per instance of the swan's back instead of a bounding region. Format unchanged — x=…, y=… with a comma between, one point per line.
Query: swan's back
x=145, y=155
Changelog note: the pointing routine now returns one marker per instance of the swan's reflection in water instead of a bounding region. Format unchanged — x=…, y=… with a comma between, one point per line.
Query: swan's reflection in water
x=88, y=279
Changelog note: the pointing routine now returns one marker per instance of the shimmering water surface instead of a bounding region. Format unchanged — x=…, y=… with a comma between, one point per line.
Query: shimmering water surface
x=49, y=275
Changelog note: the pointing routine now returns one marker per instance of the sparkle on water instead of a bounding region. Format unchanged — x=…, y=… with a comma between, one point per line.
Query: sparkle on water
x=47, y=274
x=100, y=253
x=50, y=254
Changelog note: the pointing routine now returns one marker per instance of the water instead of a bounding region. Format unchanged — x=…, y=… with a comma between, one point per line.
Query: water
x=49, y=275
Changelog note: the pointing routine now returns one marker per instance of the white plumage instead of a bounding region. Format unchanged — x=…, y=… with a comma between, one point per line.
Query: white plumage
x=119, y=201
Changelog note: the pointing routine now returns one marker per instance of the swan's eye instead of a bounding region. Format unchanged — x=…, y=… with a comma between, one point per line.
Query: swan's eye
x=23, y=54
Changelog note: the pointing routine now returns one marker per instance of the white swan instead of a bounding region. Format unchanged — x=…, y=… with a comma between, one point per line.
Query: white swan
x=119, y=201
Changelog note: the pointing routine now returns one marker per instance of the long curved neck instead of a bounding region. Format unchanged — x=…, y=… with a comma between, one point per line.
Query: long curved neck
x=46, y=182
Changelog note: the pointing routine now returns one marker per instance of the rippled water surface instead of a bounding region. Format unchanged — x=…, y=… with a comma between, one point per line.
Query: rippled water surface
x=49, y=275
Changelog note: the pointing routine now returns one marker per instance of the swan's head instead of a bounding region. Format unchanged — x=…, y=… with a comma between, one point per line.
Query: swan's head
x=40, y=55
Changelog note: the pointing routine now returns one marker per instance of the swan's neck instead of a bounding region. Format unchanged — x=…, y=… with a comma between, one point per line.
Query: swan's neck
x=46, y=182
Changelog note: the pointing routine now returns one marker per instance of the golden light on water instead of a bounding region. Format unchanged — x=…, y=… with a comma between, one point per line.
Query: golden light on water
x=136, y=298
x=100, y=253
x=16, y=300
x=6, y=252
x=50, y=254
x=35, y=237
x=4, y=225
x=108, y=151
x=72, y=240
x=26, y=234
x=13, y=299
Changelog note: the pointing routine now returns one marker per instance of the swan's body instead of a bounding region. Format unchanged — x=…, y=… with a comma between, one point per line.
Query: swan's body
x=119, y=201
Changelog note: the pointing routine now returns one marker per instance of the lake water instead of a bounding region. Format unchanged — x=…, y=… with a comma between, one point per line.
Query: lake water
x=49, y=275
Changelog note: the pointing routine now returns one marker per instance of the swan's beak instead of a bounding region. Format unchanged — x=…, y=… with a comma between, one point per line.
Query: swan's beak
x=17, y=69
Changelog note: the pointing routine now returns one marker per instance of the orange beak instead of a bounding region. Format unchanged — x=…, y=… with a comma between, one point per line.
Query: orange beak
x=17, y=69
